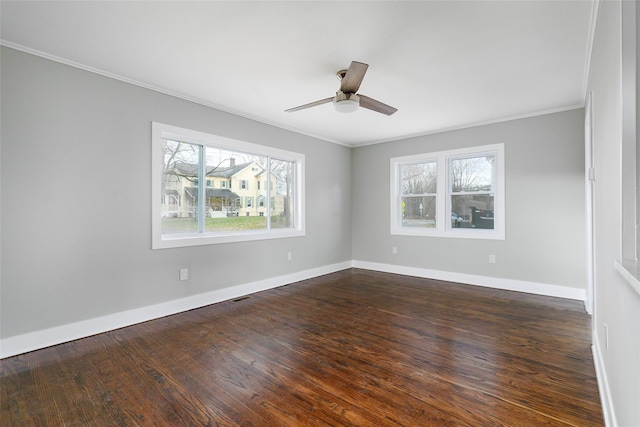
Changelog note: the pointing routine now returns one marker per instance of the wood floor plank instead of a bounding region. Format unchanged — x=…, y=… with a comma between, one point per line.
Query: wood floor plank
x=353, y=348
x=373, y=375
x=479, y=363
x=480, y=357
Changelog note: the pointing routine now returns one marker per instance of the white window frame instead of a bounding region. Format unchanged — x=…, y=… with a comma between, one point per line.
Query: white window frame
x=162, y=131
x=443, y=226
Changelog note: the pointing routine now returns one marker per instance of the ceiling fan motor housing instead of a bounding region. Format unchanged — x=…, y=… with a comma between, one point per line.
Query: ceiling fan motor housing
x=346, y=102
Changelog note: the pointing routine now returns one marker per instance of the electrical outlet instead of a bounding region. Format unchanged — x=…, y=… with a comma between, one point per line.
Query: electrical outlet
x=184, y=274
x=289, y=256
x=394, y=250
x=492, y=259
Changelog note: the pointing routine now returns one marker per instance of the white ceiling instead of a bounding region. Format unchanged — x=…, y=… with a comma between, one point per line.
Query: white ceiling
x=443, y=64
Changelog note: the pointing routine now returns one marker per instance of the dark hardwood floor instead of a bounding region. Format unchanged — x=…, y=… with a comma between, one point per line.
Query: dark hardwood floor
x=353, y=348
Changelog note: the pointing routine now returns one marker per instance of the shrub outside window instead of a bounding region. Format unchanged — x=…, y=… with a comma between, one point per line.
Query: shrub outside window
x=186, y=213
x=456, y=193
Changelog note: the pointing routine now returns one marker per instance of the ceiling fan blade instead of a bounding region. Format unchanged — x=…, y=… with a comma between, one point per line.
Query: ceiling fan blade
x=309, y=105
x=372, y=104
x=350, y=83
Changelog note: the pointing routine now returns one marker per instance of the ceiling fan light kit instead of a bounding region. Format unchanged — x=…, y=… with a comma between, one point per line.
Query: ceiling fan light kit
x=347, y=100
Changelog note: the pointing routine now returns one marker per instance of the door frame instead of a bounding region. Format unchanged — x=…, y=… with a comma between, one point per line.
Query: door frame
x=590, y=177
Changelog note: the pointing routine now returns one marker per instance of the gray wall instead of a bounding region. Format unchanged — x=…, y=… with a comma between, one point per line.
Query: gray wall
x=616, y=304
x=76, y=203
x=545, y=220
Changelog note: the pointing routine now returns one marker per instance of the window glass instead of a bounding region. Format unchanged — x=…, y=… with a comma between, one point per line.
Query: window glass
x=179, y=203
x=282, y=189
x=224, y=207
x=419, y=211
x=472, y=186
x=419, y=186
x=419, y=178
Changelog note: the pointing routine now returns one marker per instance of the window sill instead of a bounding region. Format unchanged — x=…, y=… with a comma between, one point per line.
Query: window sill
x=463, y=233
x=213, y=239
x=630, y=271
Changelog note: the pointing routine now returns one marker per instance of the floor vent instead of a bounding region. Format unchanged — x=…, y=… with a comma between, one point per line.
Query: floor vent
x=240, y=299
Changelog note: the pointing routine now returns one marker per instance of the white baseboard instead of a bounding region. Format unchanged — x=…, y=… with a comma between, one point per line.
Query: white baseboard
x=45, y=338
x=603, y=384
x=485, y=281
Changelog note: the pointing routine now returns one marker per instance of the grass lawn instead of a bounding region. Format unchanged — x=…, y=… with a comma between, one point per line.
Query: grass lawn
x=234, y=223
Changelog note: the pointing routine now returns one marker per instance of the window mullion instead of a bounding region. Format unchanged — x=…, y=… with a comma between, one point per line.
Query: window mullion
x=397, y=213
x=442, y=194
x=267, y=183
x=202, y=191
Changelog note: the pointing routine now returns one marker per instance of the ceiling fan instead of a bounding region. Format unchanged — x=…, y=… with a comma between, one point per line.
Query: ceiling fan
x=346, y=99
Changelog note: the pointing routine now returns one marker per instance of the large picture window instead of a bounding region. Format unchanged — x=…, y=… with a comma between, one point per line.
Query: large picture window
x=457, y=193
x=189, y=208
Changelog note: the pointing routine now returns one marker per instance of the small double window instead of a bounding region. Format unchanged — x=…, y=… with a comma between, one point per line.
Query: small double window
x=457, y=193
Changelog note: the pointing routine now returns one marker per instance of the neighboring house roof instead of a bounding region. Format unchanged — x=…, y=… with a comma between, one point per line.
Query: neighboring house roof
x=222, y=193
x=264, y=172
x=190, y=169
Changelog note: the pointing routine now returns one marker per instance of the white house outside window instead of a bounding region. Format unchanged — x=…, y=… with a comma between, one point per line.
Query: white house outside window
x=186, y=162
x=457, y=193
